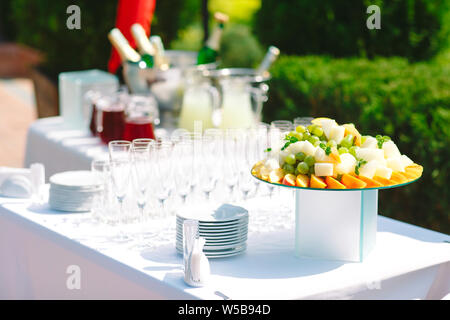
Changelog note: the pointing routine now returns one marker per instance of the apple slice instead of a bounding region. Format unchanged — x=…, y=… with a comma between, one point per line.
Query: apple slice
x=276, y=175
x=289, y=180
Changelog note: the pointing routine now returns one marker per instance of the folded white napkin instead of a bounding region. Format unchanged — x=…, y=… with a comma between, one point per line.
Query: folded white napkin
x=22, y=182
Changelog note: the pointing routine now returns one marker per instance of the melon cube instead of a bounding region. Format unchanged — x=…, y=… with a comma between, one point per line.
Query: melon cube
x=327, y=124
x=370, y=143
x=295, y=147
x=347, y=164
x=406, y=161
x=383, y=172
x=323, y=169
x=337, y=133
x=368, y=170
x=395, y=164
x=320, y=155
x=308, y=148
x=390, y=150
x=370, y=154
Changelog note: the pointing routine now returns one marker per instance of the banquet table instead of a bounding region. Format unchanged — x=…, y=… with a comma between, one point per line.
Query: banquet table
x=42, y=250
x=59, y=147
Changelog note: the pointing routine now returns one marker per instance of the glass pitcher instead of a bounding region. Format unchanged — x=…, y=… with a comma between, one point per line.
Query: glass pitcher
x=110, y=116
x=241, y=103
x=200, y=103
x=141, y=115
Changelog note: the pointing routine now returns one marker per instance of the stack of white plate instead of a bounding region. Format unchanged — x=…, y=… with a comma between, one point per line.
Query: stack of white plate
x=73, y=191
x=225, y=229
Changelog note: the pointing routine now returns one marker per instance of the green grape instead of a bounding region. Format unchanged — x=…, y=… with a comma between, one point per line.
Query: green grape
x=347, y=142
x=311, y=127
x=316, y=143
x=299, y=136
x=288, y=168
x=290, y=159
x=342, y=150
x=296, y=172
x=300, y=129
x=300, y=156
x=310, y=160
x=303, y=167
x=306, y=135
x=331, y=143
x=352, y=151
x=311, y=170
x=314, y=139
x=292, y=133
x=318, y=131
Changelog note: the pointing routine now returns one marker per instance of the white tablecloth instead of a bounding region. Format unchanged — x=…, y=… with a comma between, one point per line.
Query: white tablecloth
x=59, y=148
x=39, y=246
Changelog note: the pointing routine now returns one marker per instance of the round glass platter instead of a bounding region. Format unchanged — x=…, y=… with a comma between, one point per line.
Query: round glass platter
x=325, y=189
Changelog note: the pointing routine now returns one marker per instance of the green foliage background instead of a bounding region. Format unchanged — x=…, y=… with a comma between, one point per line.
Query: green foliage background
x=409, y=28
x=410, y=102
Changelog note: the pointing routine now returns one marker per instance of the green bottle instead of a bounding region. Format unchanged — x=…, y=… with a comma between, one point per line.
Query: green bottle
x=210, y=51
x=145, y=47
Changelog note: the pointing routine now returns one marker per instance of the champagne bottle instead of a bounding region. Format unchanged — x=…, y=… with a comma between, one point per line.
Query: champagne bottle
x=161, y=60
x=145, y=47
x=269, y=58
x=210, y=51
x=126, y=52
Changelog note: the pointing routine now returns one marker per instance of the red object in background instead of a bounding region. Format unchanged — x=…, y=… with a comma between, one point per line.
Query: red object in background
x=137, y=128
x=128, y=13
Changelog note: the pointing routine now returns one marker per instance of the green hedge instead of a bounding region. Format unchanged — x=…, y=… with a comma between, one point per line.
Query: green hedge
x=415, y=29
x=409, y=102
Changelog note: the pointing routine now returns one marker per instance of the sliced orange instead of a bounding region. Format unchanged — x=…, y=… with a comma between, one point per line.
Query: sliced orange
x=414, y=172
x=352, y=182
x=302, y=181
x=383, y=181
x=316, y=182
x=409, y=176
x=335, y=158
x=370, y=182
x=332, y=183
x=397, y=178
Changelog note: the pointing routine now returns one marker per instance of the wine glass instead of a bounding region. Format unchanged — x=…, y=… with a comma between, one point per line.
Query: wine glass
x=163, y=172
x=208, y=170
x=119, y=157
x=143, y=143
x=183, y=167
x=101, y=170
x=230, y=163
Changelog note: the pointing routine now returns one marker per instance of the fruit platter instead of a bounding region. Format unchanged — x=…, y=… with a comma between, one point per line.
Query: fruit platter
x=320, y=160
x=325, y=155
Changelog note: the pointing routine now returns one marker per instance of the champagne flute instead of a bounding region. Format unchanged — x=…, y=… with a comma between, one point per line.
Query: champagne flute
x=183, y=167
x=119, y=157
x=164, y=172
